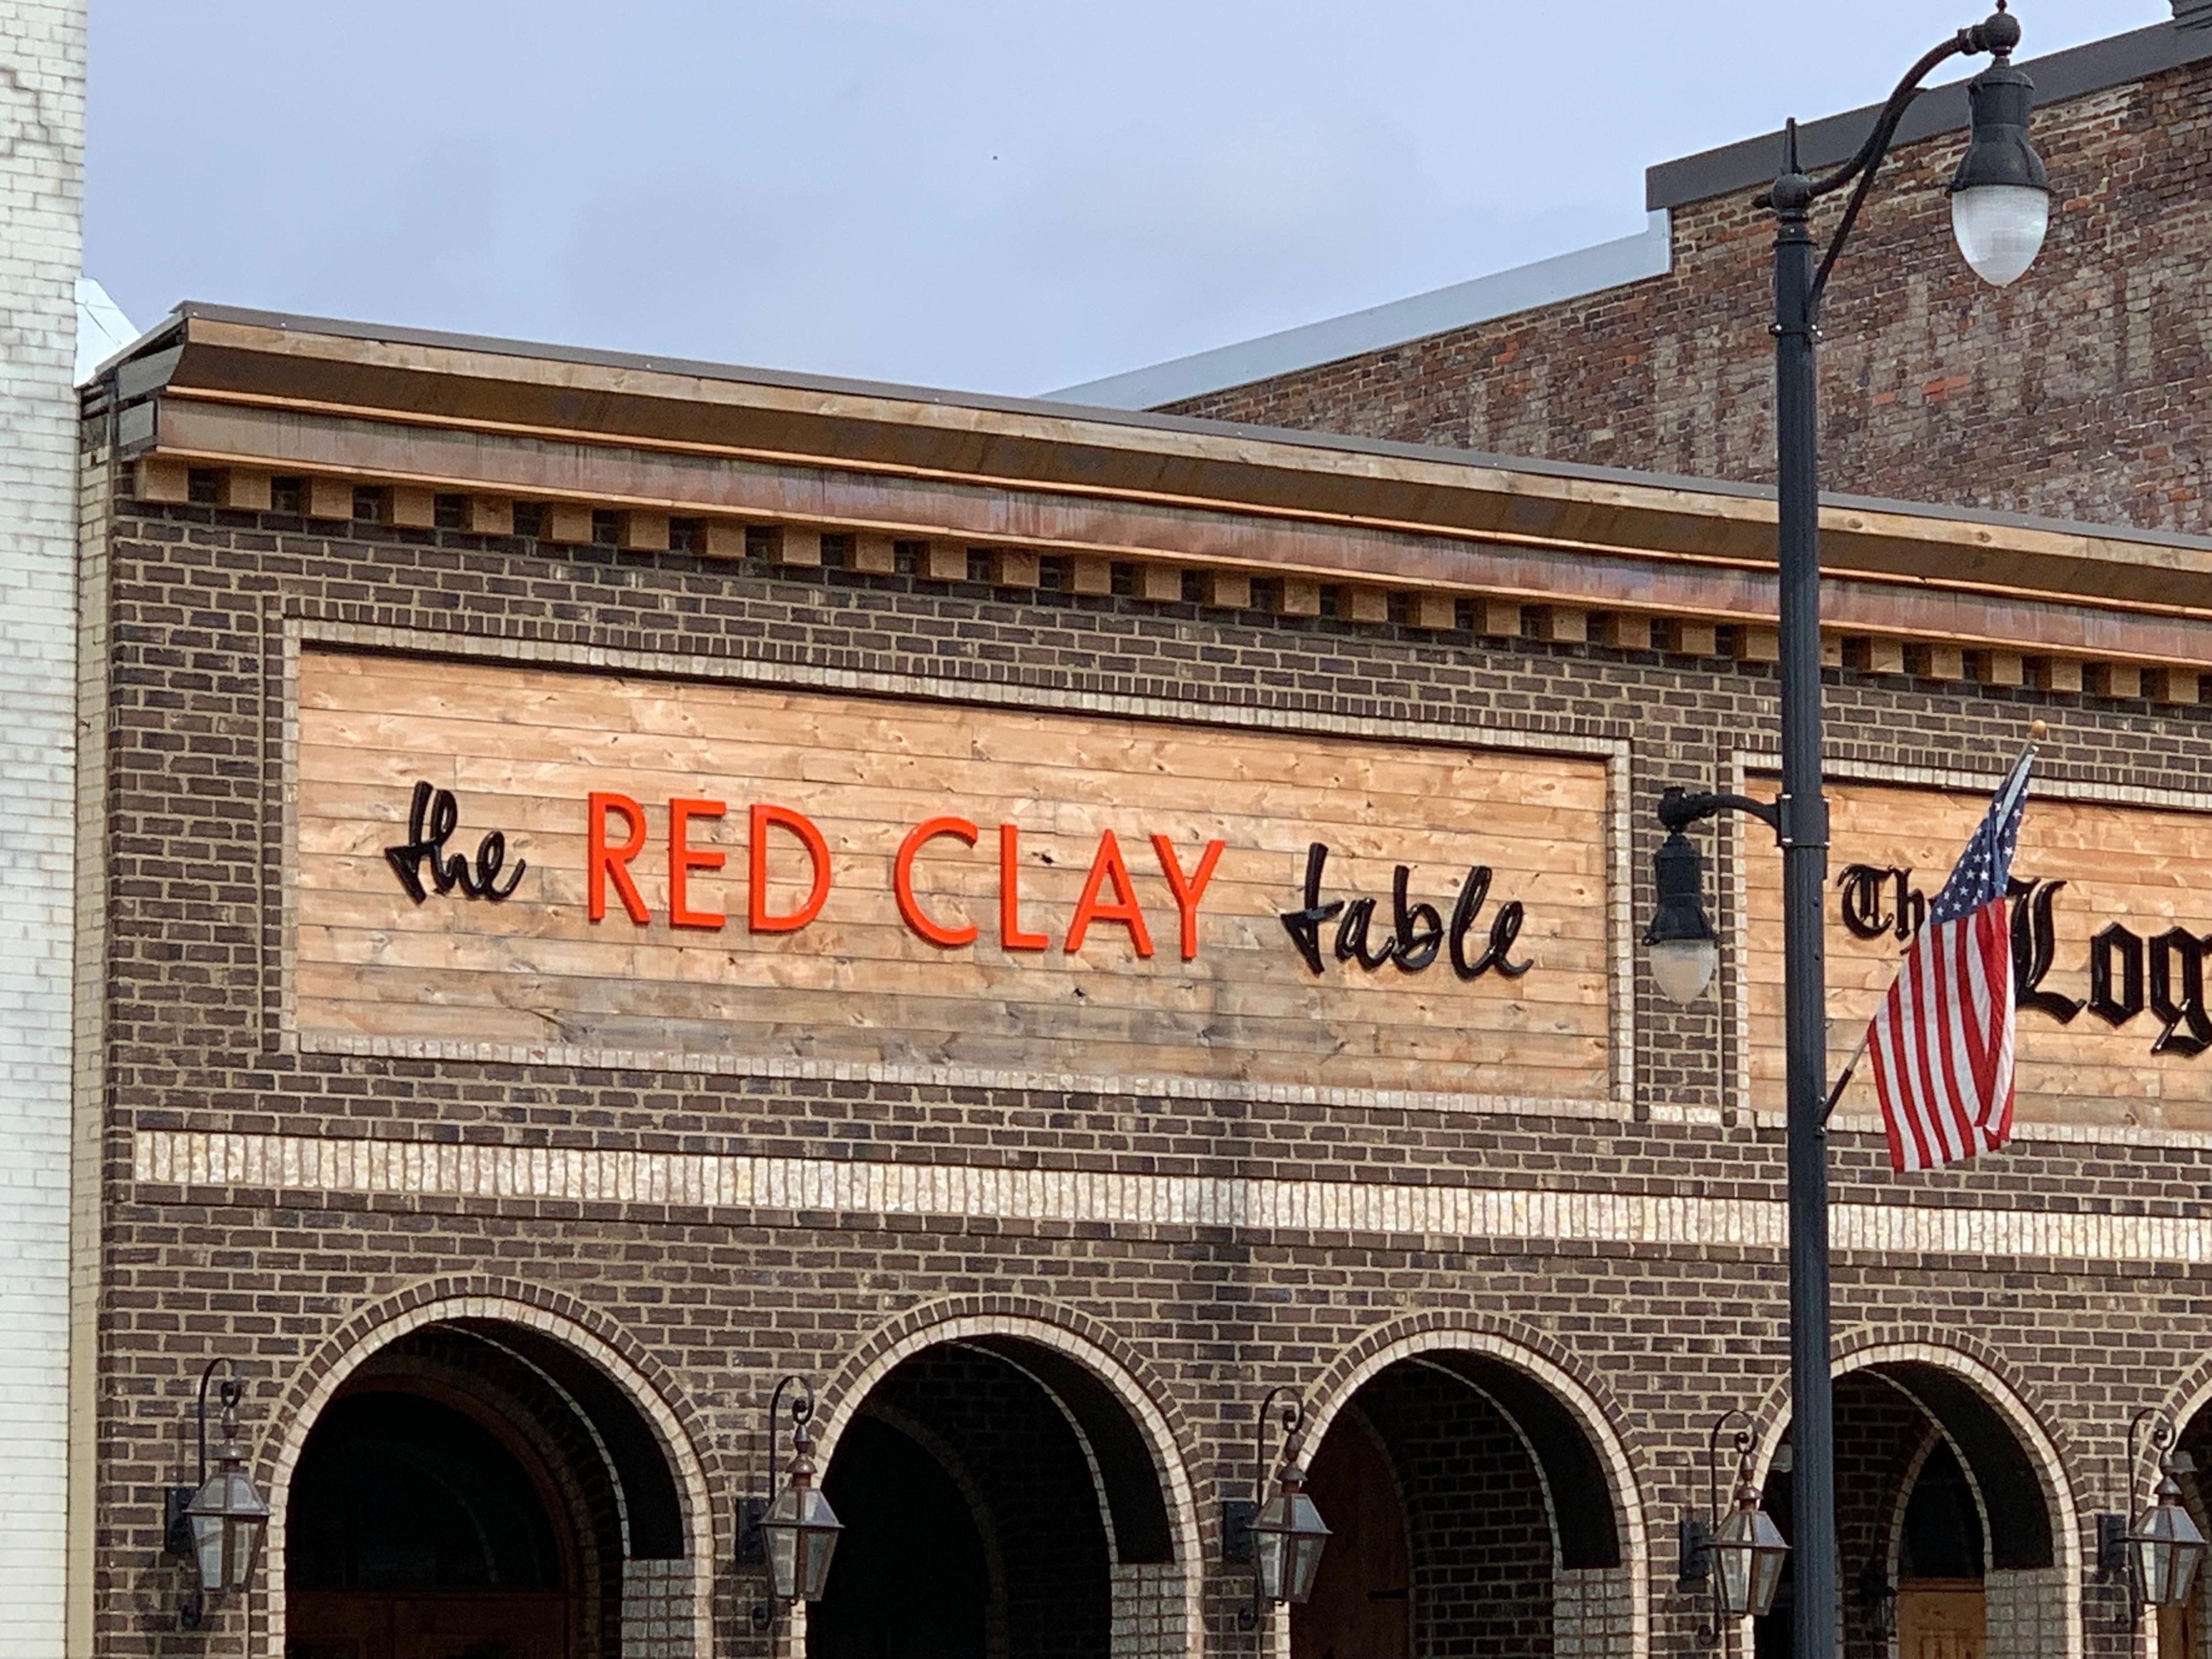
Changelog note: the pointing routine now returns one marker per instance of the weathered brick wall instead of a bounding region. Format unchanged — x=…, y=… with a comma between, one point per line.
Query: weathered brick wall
x=2025, y=1614
x=229, y=1253
x=41, y=190
x=2076, y=393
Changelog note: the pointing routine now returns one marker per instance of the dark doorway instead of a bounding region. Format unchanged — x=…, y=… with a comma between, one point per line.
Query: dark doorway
x=1932, y=1488
x=1362, y=1601
x=908, y=1580
x=1001, y=1499
x=1456, y=1487
x=416, y=1530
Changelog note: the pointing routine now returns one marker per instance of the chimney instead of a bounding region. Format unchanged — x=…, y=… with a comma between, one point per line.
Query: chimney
x=2192, y=14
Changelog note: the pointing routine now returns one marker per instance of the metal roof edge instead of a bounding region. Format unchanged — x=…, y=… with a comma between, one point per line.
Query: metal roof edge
x=1750, y=163
x=1650, y=252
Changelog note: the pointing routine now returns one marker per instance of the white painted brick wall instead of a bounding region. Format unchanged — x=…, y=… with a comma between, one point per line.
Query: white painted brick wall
x=41, y=193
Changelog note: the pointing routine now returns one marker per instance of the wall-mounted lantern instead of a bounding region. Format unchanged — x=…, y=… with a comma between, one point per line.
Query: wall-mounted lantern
x=1281, y=1533
x=1877, y=1600
x=2159, y=1554
x=1740, y=1554
x=219, y=1523
x=793, y=1529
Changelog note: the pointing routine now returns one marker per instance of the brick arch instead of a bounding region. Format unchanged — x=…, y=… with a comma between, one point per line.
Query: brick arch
x=1541, y=1358
x=1982, y=1369
x=1109, y=1359
x=2188, y=1399
x=1980, y=1363
x=649, y=1386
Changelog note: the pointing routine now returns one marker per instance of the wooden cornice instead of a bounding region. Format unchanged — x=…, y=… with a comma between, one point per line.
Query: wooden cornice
x=2007, y=598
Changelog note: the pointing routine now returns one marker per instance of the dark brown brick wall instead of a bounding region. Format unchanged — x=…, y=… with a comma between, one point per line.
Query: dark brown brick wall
x=2076, y=393
x=716, y=1305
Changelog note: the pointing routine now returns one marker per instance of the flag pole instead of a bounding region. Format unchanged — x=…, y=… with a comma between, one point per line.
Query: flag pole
x=2036, y=730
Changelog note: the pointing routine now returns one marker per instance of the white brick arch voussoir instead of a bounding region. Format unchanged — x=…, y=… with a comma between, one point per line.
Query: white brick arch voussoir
x=684, y=1463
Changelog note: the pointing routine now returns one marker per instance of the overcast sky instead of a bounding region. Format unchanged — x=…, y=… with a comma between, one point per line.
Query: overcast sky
x=1004, y=197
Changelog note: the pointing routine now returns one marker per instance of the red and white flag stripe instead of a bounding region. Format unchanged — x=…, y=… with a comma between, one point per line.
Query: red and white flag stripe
x=1941, y=1045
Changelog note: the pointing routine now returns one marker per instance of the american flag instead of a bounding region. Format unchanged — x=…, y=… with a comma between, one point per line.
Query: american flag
x=1941, y=1045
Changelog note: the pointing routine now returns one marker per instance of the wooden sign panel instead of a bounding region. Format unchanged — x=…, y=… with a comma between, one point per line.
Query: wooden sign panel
x=694, y=875
x=2111, y=909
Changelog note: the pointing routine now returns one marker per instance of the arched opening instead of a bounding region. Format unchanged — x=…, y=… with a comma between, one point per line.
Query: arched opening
x=2185, y=1632
x=476, y=1490
x=1472, y=1515
x=999, y=1503
x=1942, y=1523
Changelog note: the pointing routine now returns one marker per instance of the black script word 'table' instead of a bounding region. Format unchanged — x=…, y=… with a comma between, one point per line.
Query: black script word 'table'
x=1417, y=931
x=427, y=842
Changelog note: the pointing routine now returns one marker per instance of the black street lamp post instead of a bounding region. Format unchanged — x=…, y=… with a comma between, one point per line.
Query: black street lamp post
x=1999, y=210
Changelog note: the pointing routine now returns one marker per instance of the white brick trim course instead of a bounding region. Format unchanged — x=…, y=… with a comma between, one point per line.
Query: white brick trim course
x=740, y=1181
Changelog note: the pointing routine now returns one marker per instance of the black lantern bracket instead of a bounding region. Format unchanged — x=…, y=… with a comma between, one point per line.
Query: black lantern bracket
x=752, y=1512
x=2113, y=1529
x=1692, y=1561
x=1237, y=1542
x=176, y=1501
x=1679, y=808
x=1698, y=1536
x=1877, y=1600
x=2117, y=1535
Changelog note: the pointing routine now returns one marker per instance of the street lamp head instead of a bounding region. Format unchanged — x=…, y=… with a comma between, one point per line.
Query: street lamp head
x=2000, y=195
x=801, y=1529
x=1288, y=1537
x=1684, y=951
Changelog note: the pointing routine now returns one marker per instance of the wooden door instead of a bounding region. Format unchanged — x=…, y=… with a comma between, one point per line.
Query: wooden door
x=1941, y=1618
x=1362, y=1601
x=2177, y=1632
x=365, y=1624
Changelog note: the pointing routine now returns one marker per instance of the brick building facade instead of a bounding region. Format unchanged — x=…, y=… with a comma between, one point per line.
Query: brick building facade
x=2076, y=393
x=511, y=1211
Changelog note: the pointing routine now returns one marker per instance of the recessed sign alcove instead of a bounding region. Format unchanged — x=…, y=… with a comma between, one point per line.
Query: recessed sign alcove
x=713, y=874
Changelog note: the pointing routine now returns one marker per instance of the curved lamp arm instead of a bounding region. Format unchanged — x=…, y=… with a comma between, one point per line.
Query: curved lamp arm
x=1998, y=34
x=1681, y=808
